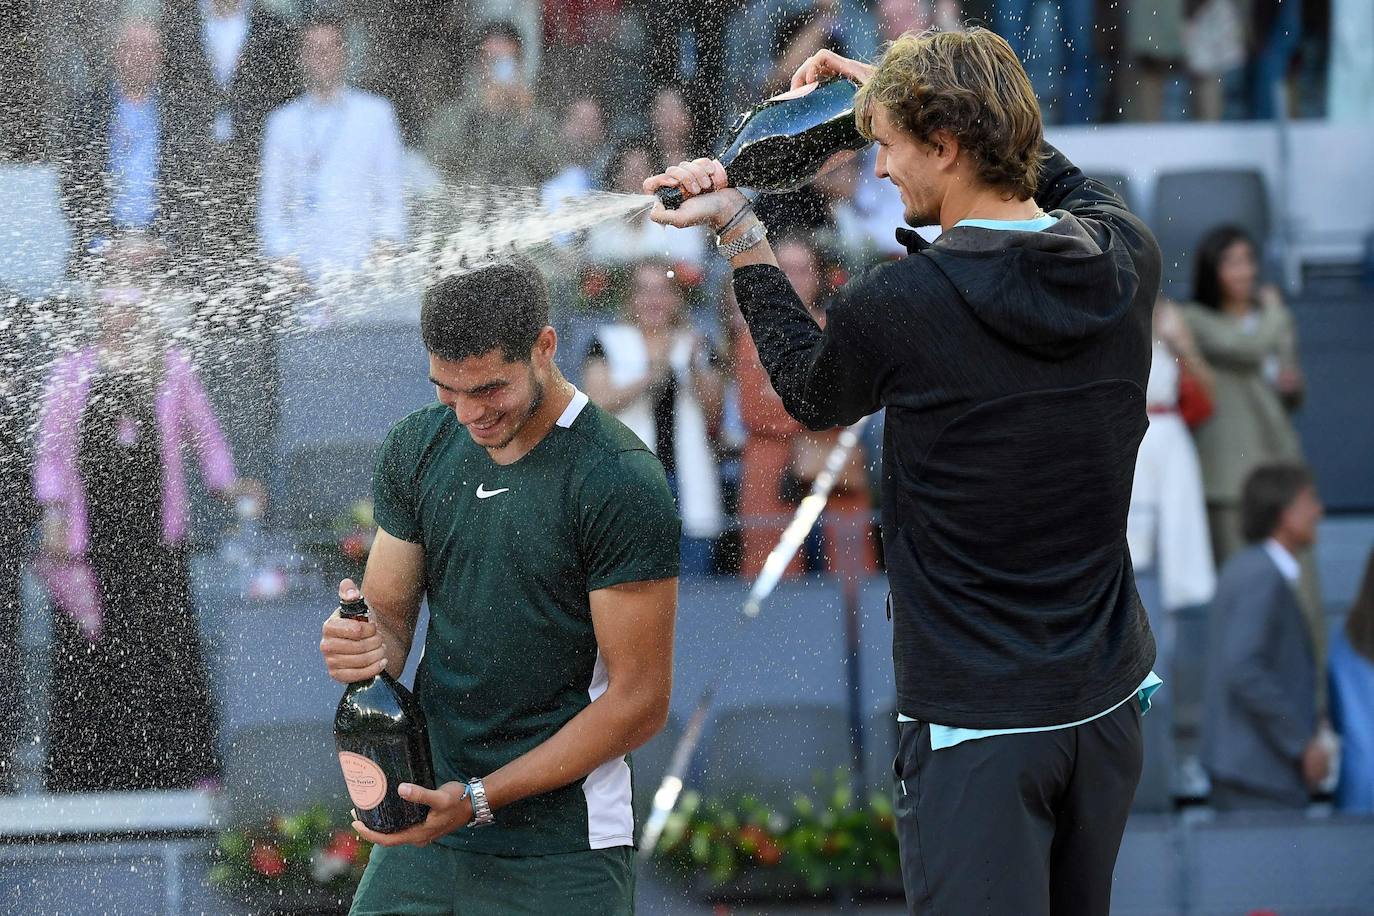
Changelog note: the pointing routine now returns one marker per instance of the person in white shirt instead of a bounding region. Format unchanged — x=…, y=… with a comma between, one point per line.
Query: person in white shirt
x=331, y=192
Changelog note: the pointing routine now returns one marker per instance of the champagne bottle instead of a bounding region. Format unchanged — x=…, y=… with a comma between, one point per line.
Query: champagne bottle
x=783, y=143
x=380, y=733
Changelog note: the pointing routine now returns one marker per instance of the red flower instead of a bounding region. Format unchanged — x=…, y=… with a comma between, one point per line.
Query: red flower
x=267, y=860
x=354, y=546
x=594, y=283
x=766, y=852
x=344, y=844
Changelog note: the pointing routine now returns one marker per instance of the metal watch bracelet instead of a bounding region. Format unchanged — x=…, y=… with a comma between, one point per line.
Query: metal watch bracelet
x=481, y=811
x=751, y=237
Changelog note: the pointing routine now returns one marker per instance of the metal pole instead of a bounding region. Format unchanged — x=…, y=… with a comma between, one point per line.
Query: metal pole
x=665, y=799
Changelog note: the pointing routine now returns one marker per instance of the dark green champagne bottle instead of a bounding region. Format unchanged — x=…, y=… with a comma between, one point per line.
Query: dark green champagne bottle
x=783, y=143
x=380, y=733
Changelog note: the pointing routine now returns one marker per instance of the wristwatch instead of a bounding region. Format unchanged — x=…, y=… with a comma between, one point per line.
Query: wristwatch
x=751, y=237
x=481, y=811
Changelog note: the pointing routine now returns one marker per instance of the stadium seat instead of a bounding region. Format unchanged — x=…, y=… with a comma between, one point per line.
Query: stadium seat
x=1188, y=205
x=281, y=767
x=37, y=239
x=775, y=752
x=1117, y=181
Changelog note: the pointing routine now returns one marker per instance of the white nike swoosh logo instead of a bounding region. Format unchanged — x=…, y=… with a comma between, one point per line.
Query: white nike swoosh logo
x=483, y=493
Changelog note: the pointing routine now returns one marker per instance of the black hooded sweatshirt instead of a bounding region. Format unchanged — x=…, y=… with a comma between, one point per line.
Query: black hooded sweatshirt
x=1013, y=369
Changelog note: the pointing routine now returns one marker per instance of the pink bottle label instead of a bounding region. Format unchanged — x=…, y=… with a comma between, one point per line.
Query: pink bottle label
x=366, y=781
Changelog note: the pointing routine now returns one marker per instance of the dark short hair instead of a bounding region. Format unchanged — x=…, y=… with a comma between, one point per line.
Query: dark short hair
x=1270, y=489
x=1207, y=263
x=500, y=28
x=325, y=16
x=501, y=306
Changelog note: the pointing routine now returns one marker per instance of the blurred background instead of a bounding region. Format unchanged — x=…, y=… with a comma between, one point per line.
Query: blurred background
x=181, y=193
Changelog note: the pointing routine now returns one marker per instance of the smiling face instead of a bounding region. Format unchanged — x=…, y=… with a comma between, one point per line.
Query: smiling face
x=916, y=169
x=494, y=397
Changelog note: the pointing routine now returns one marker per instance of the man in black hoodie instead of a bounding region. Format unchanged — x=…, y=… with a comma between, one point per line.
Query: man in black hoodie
x=1012, y=356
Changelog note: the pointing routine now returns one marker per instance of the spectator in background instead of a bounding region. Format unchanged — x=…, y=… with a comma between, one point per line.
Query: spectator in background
x=1247, y=336
x=626, y=241
x=773, y=477
x=1352, y=700
x=1167, y=525
x=1067, y=61
x=670, y=124
x=496, y=132
x=1151, y=50
x=585, y=150
x=130, y=160
x=662, y=378
x=1277, y=29
x=1166, y=528
x=1264, y=744
x=233, y=61
x=1350, y=75
x=131, y=705
x=331, y=168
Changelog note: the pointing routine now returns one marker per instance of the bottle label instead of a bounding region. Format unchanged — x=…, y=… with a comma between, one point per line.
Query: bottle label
x=366, y=781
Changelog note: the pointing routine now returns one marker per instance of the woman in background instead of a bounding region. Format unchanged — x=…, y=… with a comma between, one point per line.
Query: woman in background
x=1352, y=700
x=131, y=706
x=660, y=377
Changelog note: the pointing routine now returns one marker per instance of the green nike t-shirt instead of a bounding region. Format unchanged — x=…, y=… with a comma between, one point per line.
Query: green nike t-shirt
x=512, y=553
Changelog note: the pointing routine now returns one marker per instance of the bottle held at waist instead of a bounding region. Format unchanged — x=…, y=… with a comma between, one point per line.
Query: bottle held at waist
x=787, y=141
x=380, y=734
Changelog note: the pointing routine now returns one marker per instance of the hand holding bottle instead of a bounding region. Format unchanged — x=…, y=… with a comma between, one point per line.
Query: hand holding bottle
x=352, y=649
x=710, y=201
x=826, y=63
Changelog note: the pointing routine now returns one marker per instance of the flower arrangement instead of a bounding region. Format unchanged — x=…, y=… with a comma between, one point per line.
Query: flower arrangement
x=292, y=856
x=356, y=529
x=834, y=843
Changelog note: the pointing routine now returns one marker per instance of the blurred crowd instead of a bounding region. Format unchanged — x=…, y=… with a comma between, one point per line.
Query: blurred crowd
x=226, y=137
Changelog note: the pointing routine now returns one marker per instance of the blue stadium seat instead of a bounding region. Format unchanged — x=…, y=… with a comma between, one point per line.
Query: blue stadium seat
x=1188, y=205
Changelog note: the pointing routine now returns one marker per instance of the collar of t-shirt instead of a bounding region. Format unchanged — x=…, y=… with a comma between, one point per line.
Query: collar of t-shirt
x=1285, y=561
x=224, y=37
x=1037, y=224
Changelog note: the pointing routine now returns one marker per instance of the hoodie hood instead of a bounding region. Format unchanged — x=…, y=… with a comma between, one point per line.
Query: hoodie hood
x=1050, y=292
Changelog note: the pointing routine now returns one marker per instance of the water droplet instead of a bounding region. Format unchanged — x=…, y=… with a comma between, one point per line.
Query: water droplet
x=670, y=274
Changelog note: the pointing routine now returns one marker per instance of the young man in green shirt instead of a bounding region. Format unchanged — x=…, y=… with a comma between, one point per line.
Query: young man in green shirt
x=545, y=538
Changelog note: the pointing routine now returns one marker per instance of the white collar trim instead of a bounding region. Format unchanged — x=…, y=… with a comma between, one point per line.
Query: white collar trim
x=573, y=410
x=1285, y=561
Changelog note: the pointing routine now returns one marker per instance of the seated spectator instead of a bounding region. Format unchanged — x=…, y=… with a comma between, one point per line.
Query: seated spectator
x=670, y=124
x=627, y=241
x=662, y=379
x=331, y=168
x=1352, y=700
x=131, y=156
x=1064, y=62
x=779, y=459
x=496, y=133
x=1263, y=743
x=585, y=153
x=131, y=706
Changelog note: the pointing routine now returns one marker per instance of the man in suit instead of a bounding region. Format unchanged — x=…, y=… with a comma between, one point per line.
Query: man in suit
x=1263, y=743
x=230, y=62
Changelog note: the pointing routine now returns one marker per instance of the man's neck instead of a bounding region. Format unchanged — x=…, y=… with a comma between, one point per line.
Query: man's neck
x=135, y=94
x=327, y=95
x=227, y=9
x=970, y=201
x=1287, y=542
x=559, y=393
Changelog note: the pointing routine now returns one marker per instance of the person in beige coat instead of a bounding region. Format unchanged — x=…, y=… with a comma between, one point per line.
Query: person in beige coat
x=1248, y=337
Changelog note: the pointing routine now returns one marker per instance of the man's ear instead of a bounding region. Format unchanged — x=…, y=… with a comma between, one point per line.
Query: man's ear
x=545, y=347
x=946, y=147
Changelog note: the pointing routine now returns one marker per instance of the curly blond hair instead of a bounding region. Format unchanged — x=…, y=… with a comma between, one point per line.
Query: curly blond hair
x=971, y=84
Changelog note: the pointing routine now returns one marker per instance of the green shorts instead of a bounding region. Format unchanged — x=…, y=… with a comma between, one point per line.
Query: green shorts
x=435, y=880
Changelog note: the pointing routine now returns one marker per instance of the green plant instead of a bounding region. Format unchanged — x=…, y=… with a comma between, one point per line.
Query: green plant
x=829, y=842
x=303, y=851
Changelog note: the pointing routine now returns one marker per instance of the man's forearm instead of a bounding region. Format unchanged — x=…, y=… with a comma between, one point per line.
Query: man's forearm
x=614, y=724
